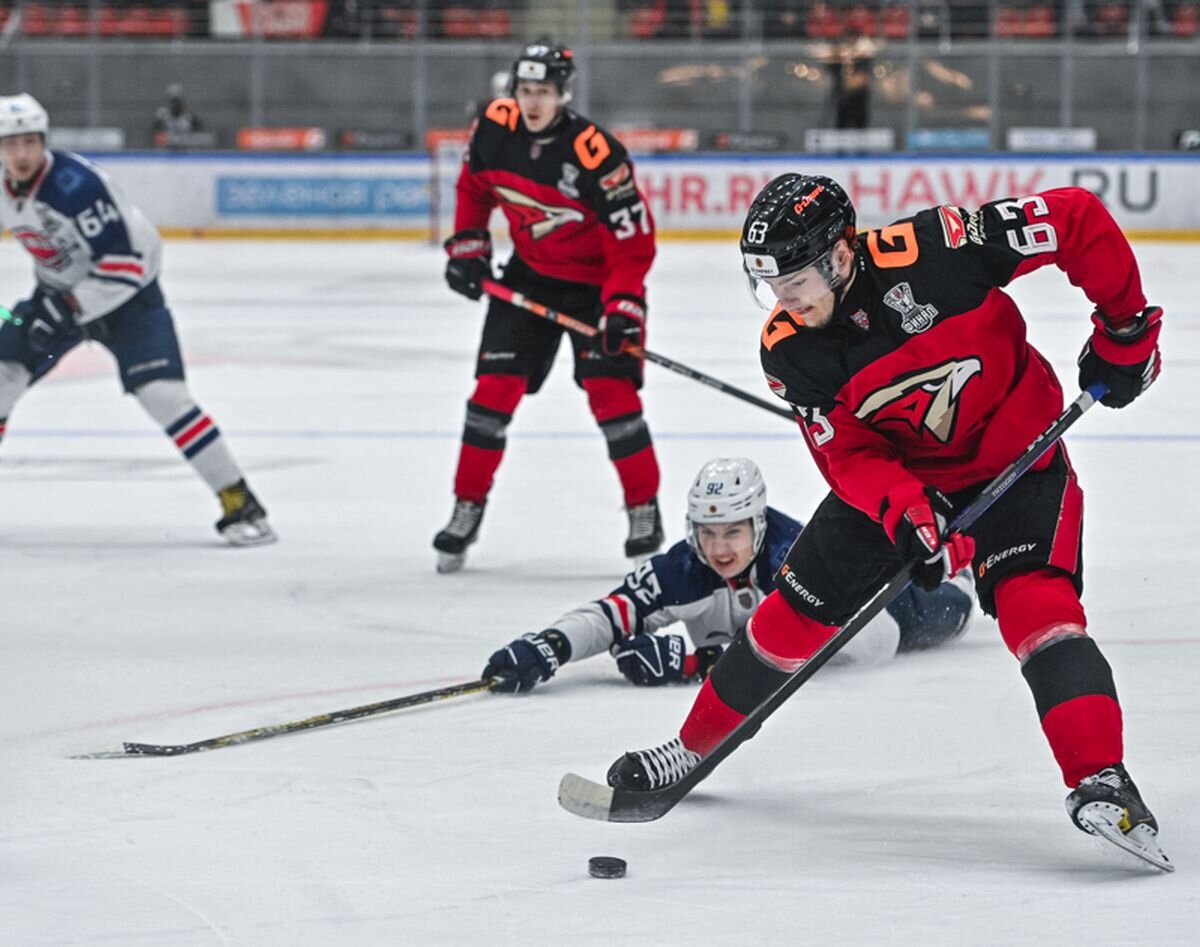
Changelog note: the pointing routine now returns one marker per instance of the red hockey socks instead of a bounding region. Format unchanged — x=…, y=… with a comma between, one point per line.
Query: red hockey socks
x=1043, y=624
x=776, y=642
x=489, y=411
x=618, y=410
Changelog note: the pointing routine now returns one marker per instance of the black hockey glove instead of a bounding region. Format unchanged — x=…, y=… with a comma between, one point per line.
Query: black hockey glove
x=528, y=661
x=48, y=317
x=470, y=262
x=1122, y=355
x=917, y=533
x=650, y=660
x=622, y=324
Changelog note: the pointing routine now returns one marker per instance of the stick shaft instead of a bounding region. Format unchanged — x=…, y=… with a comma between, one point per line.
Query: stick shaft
x=309, y=723
x=520, y=300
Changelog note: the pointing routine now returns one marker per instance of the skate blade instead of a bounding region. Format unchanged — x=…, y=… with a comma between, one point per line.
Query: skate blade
x=1141, y=840
x=450, y=562
x=256, y=533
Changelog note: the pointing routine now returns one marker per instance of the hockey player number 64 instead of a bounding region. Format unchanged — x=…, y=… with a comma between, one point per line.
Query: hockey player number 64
x=93, y=220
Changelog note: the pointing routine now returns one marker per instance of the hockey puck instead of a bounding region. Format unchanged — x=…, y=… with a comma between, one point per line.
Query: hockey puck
x=605, y=866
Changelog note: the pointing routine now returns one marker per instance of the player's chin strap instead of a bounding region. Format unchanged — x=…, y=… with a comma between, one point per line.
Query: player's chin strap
x=521, y=301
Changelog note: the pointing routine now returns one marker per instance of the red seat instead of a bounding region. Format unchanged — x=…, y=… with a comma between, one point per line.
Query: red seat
x=1112, y=19
x=459, y=23
x=824, y=22
x=1010, y=22
x=647, y=22
x=1040, y=22
x=896, y=22
x=861, y=20
x=495, y=24
x=1185, y=21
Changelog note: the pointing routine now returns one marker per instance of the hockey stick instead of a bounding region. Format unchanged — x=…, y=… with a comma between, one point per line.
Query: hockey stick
x=520, y=300
x=293, y=726
x=591, y=800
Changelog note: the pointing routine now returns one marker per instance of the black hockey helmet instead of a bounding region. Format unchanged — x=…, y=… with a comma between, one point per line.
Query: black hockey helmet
x=544, y=61
x=794, y=222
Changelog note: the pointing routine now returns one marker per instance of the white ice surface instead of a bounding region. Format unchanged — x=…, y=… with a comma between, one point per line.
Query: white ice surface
x=912, y=804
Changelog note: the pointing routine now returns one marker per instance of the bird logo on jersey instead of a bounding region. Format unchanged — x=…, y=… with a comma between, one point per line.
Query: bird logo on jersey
x=538, y=218
x=41, y=247
x=927, y=400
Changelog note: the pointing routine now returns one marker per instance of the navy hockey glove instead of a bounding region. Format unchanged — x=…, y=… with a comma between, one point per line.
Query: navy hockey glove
x=916, y=527
x=622, y=324
x=470, y=262
x=48, y=317
x=528, y=661
x=1123, y=355
x=650, y=660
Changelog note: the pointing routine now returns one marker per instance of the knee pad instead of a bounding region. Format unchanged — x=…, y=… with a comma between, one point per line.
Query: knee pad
x=1036, y=609
x=499, y=393
x=14, y=379
x=166, y=400
x=783, y=638
x=611, y=398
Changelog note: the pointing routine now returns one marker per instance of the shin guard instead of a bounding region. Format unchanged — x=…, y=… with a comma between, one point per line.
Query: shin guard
x=617, y=408
x=1043, y=624
x=489, y=411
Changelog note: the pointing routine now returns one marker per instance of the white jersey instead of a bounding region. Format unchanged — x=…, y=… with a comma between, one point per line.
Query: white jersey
x=84, y=237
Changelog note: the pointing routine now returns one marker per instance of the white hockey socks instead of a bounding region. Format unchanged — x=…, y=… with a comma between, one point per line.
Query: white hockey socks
x=170, y=403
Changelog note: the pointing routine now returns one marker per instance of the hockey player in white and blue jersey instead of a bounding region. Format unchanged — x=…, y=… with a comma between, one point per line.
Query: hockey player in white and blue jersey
x=712, y=582
x=96, y=260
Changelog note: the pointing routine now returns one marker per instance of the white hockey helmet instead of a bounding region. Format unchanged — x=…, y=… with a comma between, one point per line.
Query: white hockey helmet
x=727, y=490
x=22, y=114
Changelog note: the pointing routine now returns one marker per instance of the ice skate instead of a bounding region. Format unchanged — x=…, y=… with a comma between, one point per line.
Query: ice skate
x=245, y=520
x=462, y=530
x=643, y=770
x=1109, y=805
x=645, y=530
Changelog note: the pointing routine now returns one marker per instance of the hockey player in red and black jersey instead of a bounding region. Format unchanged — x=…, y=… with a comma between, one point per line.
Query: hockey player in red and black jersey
x=583, y=242
x=908, y=368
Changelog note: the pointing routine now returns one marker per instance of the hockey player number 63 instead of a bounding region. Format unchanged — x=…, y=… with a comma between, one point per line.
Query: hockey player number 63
x=818, y=428
x=1032, y=238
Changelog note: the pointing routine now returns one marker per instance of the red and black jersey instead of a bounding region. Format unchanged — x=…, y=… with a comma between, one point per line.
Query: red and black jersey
x=924, y=374
x=572, y=203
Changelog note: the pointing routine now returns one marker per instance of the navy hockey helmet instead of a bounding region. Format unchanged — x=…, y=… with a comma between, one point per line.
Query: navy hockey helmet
x=544, y=61
x=794, y=222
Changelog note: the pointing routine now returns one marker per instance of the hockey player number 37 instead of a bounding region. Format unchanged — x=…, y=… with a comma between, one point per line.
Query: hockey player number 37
x=624, y=224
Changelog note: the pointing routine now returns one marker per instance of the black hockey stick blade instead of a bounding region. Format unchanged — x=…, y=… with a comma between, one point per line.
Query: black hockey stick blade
x=592, y=800
x=129, y=750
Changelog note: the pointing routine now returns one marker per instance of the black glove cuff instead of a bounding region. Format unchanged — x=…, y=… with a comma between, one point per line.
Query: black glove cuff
x=469, y=243
x=1131, y=329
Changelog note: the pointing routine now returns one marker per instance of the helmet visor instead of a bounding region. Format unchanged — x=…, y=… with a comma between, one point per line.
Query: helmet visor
x=796, y=291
